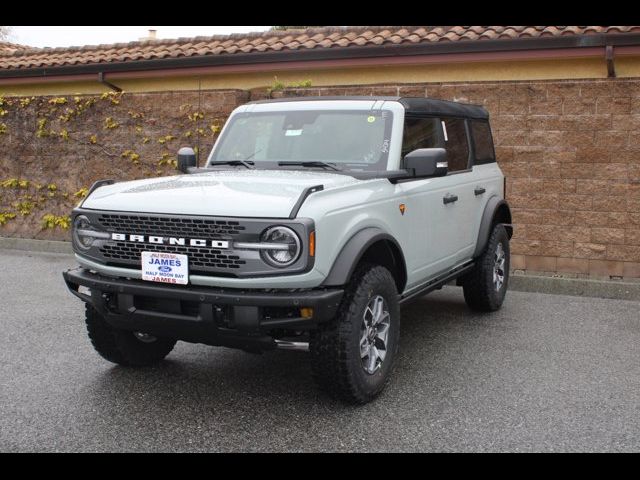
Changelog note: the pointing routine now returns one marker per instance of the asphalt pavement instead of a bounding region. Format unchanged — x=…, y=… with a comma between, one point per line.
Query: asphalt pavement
x=545, y=373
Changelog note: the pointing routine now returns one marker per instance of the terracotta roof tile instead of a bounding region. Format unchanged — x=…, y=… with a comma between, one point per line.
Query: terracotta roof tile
x=13, y=56
x=6, y=48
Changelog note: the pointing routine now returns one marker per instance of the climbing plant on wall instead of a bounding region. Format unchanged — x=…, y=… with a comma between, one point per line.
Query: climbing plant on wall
x=114, y=135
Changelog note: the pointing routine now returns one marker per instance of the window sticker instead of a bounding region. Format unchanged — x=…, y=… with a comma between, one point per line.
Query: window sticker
x=371, y=119
x=444, y=129
x=293, y=133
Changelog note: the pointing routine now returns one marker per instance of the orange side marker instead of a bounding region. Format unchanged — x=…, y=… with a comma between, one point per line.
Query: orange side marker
x=312, y=244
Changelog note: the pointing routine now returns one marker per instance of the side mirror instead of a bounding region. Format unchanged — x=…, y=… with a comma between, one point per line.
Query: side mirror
x=186, y=159
x=427, y=162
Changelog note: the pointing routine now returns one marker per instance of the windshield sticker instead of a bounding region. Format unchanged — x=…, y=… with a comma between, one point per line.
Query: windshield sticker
x=385, y=145
x=371, y=119
x=293, y=133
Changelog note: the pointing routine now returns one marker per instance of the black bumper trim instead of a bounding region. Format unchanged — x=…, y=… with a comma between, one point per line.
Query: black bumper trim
x=115, y=298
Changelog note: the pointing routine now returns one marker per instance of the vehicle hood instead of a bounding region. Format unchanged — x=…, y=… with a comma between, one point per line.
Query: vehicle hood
x=243, y=193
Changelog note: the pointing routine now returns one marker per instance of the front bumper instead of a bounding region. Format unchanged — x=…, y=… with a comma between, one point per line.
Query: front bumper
x=231, y=317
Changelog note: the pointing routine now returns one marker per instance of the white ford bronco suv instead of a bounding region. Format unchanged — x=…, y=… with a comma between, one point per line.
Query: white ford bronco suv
x=312, y=222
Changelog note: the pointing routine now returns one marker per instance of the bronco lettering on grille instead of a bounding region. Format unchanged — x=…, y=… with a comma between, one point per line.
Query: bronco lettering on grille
x=194, y=242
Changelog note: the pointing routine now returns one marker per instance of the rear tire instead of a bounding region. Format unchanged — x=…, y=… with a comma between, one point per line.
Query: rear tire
x=352, y=355
x=485, y=286
x=125, y=347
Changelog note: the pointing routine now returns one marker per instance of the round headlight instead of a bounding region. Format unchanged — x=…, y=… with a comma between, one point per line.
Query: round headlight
x=286, y=246
x=82, y=232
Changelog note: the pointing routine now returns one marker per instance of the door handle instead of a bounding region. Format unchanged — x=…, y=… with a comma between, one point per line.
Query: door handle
x=479, y=190
x=448, y=198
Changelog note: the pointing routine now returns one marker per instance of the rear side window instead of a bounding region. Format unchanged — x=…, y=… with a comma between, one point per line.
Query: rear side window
x=420, y=133
x=456, y=144
x=482, y=142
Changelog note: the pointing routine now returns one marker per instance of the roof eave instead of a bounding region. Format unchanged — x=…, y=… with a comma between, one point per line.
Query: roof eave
x=577, y=42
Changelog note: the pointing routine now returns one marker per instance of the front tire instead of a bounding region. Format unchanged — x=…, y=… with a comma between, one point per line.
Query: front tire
x=353, y=354
x=129, y=349
x=486, y=285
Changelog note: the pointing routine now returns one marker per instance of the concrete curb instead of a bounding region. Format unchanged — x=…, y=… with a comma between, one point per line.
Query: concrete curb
x=520, y=283
x=32, y=245
x=578, y=287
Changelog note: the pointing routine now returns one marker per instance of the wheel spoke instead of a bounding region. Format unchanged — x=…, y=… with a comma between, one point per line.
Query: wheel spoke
x=378, y=310
x=368, y=319
x=373, y=359
x=364, y=346
x=383, y=319
x=381, y=338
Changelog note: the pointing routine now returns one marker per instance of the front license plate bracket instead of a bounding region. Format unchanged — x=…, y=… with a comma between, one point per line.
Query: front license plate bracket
x=161, y=267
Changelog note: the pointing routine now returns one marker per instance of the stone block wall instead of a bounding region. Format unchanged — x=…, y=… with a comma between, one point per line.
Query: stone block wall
x=570, y=151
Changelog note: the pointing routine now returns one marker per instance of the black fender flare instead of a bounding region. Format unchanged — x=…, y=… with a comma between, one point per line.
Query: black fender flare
x=492, y=207
x=352, y=252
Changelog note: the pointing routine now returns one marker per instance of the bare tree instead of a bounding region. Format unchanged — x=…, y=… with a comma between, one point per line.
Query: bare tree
x=5, y=32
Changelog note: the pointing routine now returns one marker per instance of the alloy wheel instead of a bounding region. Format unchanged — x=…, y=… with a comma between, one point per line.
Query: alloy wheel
x=374, y=334
x=499, y=260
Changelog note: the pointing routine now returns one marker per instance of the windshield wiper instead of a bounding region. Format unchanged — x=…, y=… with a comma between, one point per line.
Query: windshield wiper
x=234, y=162
x=311, y=164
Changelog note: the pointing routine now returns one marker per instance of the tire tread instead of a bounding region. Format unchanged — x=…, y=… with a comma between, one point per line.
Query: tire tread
x=478, y=287
x=120, y=346
x=330, y=347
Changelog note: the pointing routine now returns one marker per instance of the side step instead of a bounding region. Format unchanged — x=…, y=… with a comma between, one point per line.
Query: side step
x=286, y=345
x=436, y=283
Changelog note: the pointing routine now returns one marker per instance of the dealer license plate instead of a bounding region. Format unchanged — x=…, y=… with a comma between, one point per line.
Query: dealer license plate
x=165, y=267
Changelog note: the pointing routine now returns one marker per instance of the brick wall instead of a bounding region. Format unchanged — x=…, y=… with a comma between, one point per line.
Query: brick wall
x=570, y=151
x=571, y=154
x=60, y=145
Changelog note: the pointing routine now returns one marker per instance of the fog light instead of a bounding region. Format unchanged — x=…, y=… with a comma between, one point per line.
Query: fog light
x=306, y=312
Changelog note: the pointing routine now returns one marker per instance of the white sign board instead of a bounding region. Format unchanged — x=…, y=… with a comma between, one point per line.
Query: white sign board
x=165, y=267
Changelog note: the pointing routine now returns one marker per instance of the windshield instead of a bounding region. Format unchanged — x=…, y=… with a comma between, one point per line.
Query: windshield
x=353, y=140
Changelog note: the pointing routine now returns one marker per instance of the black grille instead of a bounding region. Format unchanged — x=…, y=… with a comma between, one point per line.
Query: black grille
x=175, y=226
x=204, y=257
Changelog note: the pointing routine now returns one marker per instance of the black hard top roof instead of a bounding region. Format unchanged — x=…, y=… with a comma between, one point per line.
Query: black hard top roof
x=416, y=105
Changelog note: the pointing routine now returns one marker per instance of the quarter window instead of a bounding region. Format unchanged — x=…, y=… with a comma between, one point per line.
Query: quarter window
x=456, y=144
x=482, y=142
